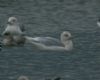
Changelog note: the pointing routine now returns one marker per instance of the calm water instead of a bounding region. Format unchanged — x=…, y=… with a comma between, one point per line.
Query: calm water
x=50, y=18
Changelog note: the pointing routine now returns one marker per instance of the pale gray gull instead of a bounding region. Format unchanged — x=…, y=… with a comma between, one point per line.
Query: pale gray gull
x=13, y=32
x=41, y=43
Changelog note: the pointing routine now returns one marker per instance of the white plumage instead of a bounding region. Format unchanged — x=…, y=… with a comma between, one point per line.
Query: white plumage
x=43, y=43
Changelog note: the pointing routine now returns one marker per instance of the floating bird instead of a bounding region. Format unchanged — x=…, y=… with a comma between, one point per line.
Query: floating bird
x=13, y=33
x=41, y=42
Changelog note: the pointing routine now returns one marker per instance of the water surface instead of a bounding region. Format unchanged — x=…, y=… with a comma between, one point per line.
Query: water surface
x=50, y=18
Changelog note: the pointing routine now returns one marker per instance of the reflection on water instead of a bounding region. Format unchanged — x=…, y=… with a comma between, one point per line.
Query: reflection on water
x=50, y=18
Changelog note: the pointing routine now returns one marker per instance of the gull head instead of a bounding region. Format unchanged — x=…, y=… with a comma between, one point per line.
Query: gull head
x=66, y=35
x=66, y=39
x=12, y=20
x=23, y=78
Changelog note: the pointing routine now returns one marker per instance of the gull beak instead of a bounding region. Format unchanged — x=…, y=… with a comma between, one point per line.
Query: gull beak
x=70, y=38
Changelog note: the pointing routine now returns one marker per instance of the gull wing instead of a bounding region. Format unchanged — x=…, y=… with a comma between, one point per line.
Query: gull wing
x=50, y=41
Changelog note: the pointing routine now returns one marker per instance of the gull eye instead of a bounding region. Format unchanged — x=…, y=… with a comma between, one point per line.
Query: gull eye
x=13, y=20
x=6, y=34
x=66, y=35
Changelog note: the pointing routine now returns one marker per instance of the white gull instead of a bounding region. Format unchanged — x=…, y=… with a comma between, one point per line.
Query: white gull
x=13, y=33
x=41, y=43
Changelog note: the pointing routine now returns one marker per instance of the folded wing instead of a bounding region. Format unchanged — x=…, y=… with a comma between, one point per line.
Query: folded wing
x=49, y=41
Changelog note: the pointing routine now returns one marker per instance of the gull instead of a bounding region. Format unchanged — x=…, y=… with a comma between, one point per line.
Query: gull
x=13, y=33
x=40, y=43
